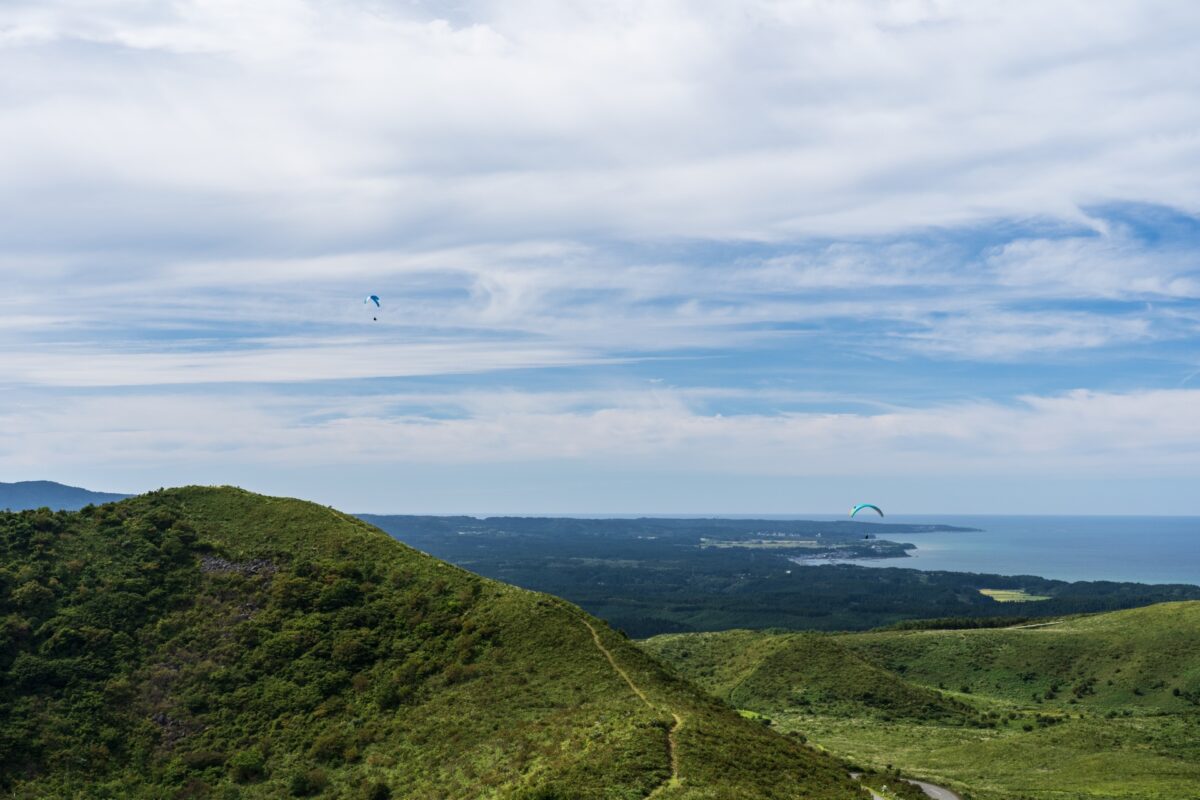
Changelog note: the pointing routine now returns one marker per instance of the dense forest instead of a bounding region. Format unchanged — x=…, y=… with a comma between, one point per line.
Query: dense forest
x=652, y=576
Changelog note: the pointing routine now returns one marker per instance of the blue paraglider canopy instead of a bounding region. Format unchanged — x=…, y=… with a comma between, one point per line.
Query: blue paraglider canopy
x=373, y=299
x=861, y=506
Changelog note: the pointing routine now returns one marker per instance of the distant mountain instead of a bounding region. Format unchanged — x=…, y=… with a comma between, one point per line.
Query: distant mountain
x=48, y=494
x=213, y=643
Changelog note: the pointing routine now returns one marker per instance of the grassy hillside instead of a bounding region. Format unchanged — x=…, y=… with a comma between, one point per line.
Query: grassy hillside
x=1144, y=658
x=200, y=643
x=772, y=673
x=1091, y=707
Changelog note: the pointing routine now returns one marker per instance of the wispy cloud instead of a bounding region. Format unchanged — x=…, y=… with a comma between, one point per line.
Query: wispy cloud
x=313, y=124
x=1083, y=432
x=912, y=235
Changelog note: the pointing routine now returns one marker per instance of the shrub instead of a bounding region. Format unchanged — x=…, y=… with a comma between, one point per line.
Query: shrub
x=247, y=766
x=202, y=759
x=378, y=791
x=328, y=747
x=307, y=784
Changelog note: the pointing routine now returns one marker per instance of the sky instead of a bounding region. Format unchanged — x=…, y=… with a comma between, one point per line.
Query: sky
x=633, y=257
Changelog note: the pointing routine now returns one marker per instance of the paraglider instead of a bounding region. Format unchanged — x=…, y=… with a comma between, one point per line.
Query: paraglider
x=861, y=506
x=373, y=299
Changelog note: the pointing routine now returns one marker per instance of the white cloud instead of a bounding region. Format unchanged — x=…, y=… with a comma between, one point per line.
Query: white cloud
x=989, y=334
x=1112, y=266
x=290, y=362
x=320, y=123
x=200, y=192
x=1087, y=434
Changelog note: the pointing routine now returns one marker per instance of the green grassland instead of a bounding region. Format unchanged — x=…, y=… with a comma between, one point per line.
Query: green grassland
x=199, y=643
x=1012, y=595
x=1098, y=706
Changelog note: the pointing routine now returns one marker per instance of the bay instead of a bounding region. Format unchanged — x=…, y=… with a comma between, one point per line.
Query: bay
x=1142, y=549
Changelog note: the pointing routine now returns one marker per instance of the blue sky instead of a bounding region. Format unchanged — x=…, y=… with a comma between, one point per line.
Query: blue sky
x=730, y=258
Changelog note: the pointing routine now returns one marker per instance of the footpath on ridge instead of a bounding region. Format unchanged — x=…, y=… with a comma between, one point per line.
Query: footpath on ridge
x=674, y=780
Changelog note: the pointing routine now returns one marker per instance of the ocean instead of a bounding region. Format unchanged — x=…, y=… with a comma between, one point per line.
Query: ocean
x=1142, y=549
x=1069, y=548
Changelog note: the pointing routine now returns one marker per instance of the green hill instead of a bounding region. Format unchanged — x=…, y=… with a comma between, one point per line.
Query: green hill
x=1098, y=706
x=1143, y=658
x=771, y=674
x=198, y=643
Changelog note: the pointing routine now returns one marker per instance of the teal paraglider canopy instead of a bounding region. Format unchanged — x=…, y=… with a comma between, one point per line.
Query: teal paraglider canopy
x=861, y=506
x=373, y=298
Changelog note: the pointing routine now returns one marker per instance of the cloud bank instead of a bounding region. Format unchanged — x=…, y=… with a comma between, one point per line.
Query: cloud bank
x=767, y=238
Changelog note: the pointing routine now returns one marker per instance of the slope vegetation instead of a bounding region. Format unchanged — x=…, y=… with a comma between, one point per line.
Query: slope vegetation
x=1143, y=658
x=769, y=674
x=214, y=643
x=1093, y=707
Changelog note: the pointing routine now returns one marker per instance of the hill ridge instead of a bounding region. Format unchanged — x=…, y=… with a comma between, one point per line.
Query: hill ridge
x=209, y=642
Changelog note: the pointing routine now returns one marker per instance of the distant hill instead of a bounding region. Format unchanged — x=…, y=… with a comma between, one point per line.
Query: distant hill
x=1104, y=705
x=24, y=495
x=212, y=643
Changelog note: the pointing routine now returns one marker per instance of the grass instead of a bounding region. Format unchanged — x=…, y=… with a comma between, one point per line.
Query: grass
x=1012, y=595
x=212, y=643
x=1098, y=706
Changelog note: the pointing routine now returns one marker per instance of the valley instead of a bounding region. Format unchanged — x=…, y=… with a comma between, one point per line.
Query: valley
x=1104, y=705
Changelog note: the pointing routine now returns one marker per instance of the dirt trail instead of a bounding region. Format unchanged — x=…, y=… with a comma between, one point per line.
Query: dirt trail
x=674, y=779
x=617, y=667
x=672, y=751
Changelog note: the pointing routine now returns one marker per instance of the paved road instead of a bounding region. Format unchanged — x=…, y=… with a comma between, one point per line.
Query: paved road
x=937, y=792
x=1034, y=625
x=932, y=789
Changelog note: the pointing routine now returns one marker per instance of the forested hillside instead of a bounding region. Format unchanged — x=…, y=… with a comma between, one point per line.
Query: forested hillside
x=202, y=642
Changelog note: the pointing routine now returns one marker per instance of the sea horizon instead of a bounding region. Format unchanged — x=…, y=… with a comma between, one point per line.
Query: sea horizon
x=1154, y=549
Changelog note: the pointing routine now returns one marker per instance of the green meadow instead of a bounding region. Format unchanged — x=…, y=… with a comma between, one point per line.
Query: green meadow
x=1012, y=595
x=1098, y=706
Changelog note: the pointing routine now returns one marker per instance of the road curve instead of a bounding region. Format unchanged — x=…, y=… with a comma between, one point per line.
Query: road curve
x=935, y=791
x=931, y=789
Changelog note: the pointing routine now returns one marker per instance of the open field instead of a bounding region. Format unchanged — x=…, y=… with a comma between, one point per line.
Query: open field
x=1012, y=595
x=1090, y=707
